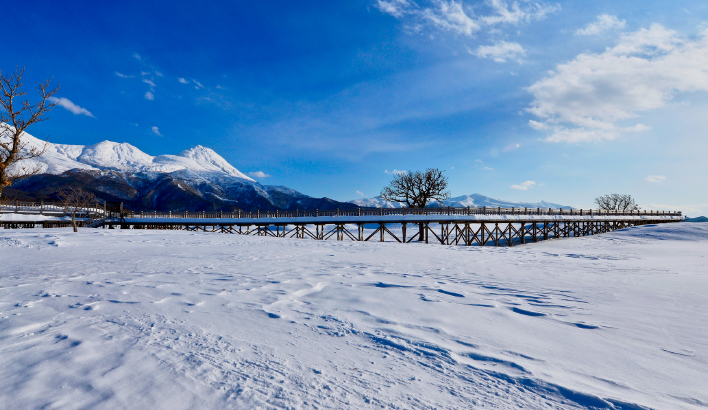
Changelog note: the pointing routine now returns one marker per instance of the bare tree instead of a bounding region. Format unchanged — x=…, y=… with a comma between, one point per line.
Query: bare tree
x=76, y=201
x=15, y=117
x=616, y=202
x=417, y=189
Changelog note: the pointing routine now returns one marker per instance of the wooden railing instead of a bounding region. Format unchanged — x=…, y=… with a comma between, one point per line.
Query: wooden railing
x=18, y=207
x=399, y=211
x=98, y=209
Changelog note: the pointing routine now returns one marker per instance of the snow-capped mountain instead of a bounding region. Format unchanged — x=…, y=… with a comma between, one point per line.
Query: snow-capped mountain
x=195, y=179
x=108, y=155
x=474, y=200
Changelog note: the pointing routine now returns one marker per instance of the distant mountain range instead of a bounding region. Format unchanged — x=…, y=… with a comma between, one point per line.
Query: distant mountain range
x=697, y=219
x=474, y=200
x=197, y=179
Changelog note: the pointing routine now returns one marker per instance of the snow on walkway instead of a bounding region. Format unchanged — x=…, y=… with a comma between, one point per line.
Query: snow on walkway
x=111, y=319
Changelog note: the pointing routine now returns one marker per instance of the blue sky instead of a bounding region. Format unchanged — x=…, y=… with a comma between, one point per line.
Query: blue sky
x=519, y=100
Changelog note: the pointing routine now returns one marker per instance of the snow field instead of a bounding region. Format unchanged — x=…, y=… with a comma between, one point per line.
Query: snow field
x=167, y=319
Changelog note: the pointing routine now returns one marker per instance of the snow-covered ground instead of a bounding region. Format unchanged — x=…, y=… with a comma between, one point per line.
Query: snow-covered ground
x=111, y=319
x=31, y=217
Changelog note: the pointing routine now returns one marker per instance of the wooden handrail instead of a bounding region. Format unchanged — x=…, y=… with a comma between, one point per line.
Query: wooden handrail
x=41, y=207
x=396, y=211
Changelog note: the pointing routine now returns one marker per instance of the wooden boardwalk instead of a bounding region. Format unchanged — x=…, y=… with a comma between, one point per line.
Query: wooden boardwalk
x=448, y=226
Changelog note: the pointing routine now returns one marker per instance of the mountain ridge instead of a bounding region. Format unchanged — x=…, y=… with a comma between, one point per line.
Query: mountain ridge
x=195, y=179
x=463, y=201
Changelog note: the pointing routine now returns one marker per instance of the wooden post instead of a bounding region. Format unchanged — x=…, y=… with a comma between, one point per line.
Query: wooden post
x=404, y=232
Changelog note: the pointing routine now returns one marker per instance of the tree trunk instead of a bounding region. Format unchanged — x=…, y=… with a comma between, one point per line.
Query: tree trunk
x=421, y=228
x=73, y=221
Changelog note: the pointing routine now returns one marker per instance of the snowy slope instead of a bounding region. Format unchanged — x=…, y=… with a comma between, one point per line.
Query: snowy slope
x=474, y=200
x=175, y=320
x=124, y=157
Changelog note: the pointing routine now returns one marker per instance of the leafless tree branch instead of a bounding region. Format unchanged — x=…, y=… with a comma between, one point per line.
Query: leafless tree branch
x=15, y=118
x=616, y=202
x=417, y=189
x=75, y=201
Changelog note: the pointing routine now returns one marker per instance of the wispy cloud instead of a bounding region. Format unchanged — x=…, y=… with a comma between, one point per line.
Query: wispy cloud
x=259, y=174
x=197, y=85
x=603, y=23
x=156, y=131
x=123, y=75
x=360, y=193
x=584, y=99
x=460, y=18
x=656, y=178
x=183, y=80
x=137, y=57
x=68, y=105
x=501, y=51
x=395, y=172
x=149, y=96
x=524, y=186
x=148, y=82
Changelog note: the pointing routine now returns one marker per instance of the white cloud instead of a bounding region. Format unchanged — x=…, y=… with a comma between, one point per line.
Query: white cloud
x=183, y=80
x=156, y=131
x=137, y=56
x=656, y=178
x=459, y=18
x=360, y=193
x=581, y=135
x=538, y=125
x=524, y=186
x=395, y=172
x=514, y=12
x=149, y=96
x=198, y=84
x=395, y=8
x=123, y=75
x=500, y=51
x=604, y=22
x=150, y=83
x=67, y=104
x=258, y=174
x=159, y=74
x=220, y=87
x=144, y=73
x=584, y=99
